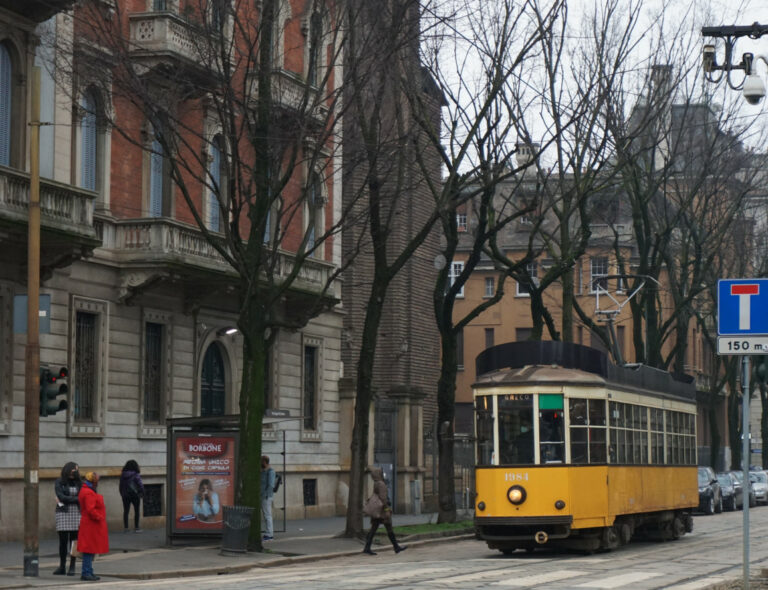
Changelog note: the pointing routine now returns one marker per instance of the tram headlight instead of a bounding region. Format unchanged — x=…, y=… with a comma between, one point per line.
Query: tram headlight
x=516, y=495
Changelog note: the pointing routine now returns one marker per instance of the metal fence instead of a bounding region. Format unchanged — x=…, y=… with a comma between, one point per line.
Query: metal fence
x=463, y=472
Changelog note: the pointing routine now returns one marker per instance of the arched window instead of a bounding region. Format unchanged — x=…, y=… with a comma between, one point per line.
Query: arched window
x=213, y=386
x=315, y=48
x=89, y=140
x=156, y=175
x=6, y=108
x=315, y=220
x=217, y=177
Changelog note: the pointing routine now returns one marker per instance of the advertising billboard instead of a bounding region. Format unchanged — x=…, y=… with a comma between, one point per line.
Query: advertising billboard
x=203, y=473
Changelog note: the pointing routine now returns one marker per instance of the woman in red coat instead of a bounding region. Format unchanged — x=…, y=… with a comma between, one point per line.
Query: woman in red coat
x=93, y=537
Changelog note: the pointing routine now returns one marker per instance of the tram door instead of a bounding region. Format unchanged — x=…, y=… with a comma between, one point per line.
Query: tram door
x=212, y=383
x=385, y=444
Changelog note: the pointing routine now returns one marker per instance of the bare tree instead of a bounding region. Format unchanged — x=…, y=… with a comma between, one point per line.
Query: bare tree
x=477, y=78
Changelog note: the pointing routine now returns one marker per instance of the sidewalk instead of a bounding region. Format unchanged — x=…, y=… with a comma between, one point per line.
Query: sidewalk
x=145, y=555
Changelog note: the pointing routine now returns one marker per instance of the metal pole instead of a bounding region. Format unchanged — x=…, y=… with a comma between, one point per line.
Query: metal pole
x=32, y=353
x=285, y=477
x=745, y=461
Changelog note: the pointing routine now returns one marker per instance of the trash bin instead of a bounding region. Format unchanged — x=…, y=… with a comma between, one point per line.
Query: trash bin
x=237, y=522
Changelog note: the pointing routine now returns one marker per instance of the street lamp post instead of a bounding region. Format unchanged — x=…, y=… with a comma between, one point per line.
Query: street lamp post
x=753, y=88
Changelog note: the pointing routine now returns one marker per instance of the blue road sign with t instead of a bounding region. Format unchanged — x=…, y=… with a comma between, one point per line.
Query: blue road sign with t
x=742, y=307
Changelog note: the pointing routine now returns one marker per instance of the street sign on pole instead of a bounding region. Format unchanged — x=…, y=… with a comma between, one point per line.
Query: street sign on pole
x=742, y=328
x=742, y=307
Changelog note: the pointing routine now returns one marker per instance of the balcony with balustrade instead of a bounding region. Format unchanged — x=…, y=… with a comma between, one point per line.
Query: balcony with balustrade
x=163, y=40
x=66, y=221
x=290, y=96
x=156, y=251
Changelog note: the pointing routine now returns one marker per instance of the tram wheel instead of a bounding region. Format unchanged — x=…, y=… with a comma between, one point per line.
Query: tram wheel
x=609, y=539
x=625, y=533
x=678, y=528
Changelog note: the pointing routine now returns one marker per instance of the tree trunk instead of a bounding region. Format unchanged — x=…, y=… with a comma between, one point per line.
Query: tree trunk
x=537, y=314
x=251, y=416
x=446, y=404
x=566, y=329
x=364, y=396
x=714, y=445
x=734, y=426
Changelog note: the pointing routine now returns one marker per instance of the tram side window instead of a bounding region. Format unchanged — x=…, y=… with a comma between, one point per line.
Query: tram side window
x=484, y=429
x=657, y=436
x=629, y=434
x=681, y=438
x=516, y=429
x=587, y=432
x=551, y=429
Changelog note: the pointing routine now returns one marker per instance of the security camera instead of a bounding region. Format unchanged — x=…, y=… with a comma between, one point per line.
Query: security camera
x=754, y=89
x=708, y=58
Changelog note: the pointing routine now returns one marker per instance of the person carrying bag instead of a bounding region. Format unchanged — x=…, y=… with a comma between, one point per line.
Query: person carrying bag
x=377, y=507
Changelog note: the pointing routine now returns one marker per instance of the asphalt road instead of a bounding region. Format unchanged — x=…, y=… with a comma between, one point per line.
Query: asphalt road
x=711, y=554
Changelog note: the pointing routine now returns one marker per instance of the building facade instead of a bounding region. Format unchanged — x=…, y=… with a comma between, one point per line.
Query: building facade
x=143, y=309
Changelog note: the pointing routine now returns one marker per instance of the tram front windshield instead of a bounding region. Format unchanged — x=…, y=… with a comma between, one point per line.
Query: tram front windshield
x=516, y=442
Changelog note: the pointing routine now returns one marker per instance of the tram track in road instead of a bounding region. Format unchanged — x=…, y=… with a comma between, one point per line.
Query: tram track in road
x=712, y=553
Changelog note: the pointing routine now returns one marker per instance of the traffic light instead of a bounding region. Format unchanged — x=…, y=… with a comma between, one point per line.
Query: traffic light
x=52, y=385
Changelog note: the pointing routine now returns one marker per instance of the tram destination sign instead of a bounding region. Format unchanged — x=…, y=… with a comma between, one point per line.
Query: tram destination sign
x=742, y=345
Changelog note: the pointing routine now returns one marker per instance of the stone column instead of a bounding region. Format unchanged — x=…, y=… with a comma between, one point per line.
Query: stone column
x=410, y=445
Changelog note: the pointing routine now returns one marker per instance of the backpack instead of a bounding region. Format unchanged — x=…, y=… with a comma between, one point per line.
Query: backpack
x=278, y=481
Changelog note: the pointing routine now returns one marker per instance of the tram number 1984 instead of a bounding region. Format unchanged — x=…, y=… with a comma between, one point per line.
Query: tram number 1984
x=515, y=476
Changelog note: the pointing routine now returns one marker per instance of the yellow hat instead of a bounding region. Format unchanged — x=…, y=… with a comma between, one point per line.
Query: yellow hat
x=92, y=476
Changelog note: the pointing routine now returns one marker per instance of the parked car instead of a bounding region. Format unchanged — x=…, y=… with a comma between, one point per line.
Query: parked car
x=739, y=476
x=759, y=481
x=731, y=490
x=710, y=496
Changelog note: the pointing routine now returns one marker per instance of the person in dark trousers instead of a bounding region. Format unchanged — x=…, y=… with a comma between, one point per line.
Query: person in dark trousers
x=67, y=488
x=93, y=538
x=267, y=495
x=380, y=511
x=131, y=491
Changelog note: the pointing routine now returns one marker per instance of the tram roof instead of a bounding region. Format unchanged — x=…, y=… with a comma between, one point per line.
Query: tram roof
x=517, y=362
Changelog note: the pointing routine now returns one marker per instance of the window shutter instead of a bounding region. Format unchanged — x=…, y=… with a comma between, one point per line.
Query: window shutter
x=88, y=142
x=156, y=180
x=5, y=106
x=213, y=201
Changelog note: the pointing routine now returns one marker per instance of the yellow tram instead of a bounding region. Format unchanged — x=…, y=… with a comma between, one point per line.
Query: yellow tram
x=610, y=454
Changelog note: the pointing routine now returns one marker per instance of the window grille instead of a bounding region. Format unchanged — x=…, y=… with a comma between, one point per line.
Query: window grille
x=153, y=373
x=310, y=388
x=86, y=366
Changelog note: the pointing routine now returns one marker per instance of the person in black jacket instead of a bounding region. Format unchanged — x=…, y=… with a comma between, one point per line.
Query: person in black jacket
x=131, y=491
x=67, y=488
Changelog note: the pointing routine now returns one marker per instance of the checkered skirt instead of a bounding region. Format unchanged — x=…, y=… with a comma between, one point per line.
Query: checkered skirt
x=69, y=520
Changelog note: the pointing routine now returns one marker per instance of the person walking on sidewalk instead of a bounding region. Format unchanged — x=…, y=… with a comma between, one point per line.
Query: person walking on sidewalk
x=94, y=537
x=380, y=511
x=131, y=491
x=67, y=488
x=267, y=496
